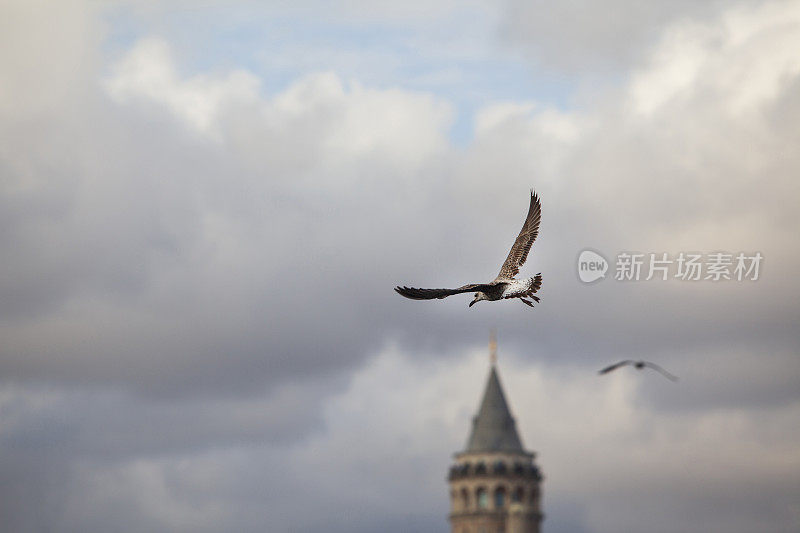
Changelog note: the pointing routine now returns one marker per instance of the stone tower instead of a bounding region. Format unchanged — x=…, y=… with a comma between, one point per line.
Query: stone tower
x=494, y=482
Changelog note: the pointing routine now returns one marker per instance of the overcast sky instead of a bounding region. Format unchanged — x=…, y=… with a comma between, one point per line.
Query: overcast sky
x=204, y=207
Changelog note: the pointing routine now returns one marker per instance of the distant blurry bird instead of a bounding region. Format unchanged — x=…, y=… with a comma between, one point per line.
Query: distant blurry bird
x=638, y=365
x=504, y=285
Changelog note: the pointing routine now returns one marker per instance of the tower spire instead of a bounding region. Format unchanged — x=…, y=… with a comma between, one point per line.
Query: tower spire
x=495, y=485
x=493, y=428
x=493, y=347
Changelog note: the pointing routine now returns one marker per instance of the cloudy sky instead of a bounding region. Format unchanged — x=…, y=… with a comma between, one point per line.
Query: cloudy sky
x=204, y=207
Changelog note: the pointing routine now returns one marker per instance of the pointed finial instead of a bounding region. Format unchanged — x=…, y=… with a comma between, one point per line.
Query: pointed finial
x=493, y=346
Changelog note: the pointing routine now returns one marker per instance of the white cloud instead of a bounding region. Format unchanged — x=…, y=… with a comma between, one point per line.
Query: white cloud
x=152, y=493
x=591, y=40
x=530, y=130
x=148, y=72
x=346, y=123
x=46, y=53
x=597, y=442
x=740, y=64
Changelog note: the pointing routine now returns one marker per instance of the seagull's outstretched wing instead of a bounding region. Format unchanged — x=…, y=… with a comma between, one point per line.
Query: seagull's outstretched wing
x=431, y=294
x=519, y=252
x=659, y=369
x=615, y=366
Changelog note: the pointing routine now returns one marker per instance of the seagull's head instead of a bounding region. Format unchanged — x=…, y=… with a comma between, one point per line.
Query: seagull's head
x=478, y=297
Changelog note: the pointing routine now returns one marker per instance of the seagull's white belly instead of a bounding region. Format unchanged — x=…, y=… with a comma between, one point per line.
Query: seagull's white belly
x=517, y=288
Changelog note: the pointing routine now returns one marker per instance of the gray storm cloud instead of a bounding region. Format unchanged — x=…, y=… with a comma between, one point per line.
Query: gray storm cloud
x=198, y=325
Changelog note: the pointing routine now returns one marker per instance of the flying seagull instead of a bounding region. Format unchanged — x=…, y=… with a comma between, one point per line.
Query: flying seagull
x=504, y=285
x=638, y=365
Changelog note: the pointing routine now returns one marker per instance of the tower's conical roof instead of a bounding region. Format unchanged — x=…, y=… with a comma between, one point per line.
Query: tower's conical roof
x=493, y=428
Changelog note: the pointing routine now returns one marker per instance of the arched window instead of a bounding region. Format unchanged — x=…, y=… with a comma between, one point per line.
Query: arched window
x=455, y=471
x=500, y=467
x=464, y=499
x=482, y=496
x=480, y=468
x=518, y=494
x=499, y=497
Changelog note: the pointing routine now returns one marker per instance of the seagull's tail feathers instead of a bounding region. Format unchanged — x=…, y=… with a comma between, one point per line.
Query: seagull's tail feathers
x=536, y=284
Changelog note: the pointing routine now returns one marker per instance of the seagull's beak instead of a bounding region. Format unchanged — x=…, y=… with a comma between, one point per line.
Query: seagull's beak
x=472, y=303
